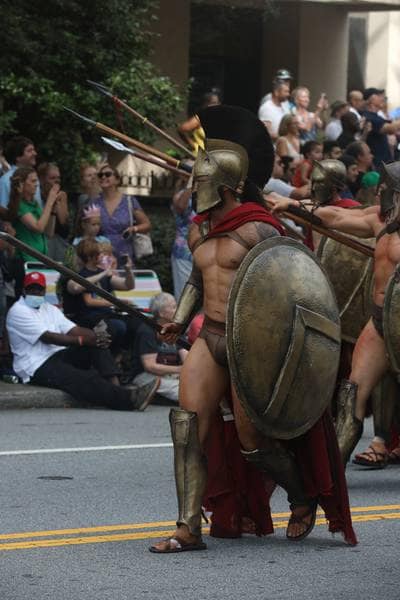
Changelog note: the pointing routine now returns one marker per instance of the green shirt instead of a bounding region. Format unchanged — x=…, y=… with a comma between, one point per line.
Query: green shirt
x=32, y=238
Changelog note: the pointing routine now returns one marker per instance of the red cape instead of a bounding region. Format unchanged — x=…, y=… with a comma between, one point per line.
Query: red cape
x=346, y=203
x=238, y=494
x=245, y=213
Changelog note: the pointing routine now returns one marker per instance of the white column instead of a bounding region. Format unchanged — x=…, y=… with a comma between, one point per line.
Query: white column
x=323, y=50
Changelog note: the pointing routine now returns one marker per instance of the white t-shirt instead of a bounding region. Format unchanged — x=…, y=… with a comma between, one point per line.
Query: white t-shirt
x=25, y=326
x=333, y=129
x=355, y=111
x=279, y=187
x=272, y=113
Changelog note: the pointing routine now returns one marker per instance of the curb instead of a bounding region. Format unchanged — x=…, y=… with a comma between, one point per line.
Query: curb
x=22, y=396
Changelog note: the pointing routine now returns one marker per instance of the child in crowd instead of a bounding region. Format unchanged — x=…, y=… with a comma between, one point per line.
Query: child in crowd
x=93, y=308
x=312, y=150
x=88, y=227
x=332, y=150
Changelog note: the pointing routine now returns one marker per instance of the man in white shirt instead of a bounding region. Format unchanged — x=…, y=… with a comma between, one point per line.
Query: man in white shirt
x=274, y=108
x=50, y=350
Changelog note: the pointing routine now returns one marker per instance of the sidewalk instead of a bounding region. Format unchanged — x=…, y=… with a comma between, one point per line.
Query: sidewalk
x=17, y=396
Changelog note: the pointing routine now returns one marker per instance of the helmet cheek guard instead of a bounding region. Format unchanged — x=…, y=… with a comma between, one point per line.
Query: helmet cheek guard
x=390, y=194
x=221, y=164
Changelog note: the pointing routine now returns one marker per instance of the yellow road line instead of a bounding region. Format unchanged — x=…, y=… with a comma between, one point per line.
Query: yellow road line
x=155, y=524
x=128, y=526
x=142, y=535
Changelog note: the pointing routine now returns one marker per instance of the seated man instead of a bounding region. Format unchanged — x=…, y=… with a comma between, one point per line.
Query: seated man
x=50, y=350
x=152, y=357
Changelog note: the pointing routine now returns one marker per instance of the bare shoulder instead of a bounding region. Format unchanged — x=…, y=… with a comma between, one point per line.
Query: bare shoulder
x=373, y=217
x=255, y=232
x=193, y=235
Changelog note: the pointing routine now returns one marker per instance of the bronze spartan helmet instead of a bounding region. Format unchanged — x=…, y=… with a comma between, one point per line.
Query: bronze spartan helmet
x=390, y=192
x=327, y=177
x=238, y=150
x=222, y=163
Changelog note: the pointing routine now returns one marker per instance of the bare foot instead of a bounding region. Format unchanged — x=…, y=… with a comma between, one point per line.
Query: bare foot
x=301, y=522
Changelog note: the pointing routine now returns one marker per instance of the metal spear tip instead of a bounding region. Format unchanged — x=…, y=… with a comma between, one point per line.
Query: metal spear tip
x=78, y=116
x=99, y=87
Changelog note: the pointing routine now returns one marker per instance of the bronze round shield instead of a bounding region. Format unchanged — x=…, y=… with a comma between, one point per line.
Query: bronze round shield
x=391, y=321
x=283, y=337
x=351, y=275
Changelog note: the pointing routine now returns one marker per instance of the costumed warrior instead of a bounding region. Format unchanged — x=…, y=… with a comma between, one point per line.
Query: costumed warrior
x=370, y=360
x=228, y=237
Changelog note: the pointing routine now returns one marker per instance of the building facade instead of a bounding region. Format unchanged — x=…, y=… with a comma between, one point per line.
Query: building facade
x=237, y=45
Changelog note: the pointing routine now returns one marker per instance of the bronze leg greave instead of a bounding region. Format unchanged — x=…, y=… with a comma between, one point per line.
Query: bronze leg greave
x=384, y=398
x=277, y=462
x=190, y=468
x=348, y=428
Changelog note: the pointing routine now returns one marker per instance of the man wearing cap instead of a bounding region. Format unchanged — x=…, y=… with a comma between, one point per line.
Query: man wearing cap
x=377, y=138
x=334, y=127
x=51, y=351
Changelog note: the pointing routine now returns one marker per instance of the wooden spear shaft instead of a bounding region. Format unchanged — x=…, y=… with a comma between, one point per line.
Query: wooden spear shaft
x=335, y=235
x=136, y=144
x=91, y=287
x=145, y=121
x=162, y=164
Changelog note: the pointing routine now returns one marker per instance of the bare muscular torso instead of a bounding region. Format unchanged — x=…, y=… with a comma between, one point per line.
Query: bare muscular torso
x=218, y=259
x=387, y=257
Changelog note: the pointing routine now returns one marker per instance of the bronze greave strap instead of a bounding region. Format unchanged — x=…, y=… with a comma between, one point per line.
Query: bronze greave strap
x=277, y=462
x=384, y=398
x=190, y=468
x=348, y=428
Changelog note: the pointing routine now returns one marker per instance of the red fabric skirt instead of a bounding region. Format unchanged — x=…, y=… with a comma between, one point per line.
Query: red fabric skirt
x=238, y=495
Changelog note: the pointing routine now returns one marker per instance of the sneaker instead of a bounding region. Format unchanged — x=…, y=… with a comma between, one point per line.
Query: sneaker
x=143, y=395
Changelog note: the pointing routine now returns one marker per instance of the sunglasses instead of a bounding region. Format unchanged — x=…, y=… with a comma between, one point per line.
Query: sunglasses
x=104, y=174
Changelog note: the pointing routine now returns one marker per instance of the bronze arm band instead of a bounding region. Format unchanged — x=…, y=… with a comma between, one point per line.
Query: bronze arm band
x=304, y=214
x=191, y=299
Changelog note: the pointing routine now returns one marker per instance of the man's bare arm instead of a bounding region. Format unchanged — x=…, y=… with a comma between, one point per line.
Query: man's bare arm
x=343, y=220
x=391, y=127
x=360, y=222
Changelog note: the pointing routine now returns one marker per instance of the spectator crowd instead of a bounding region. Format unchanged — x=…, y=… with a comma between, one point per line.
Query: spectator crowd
x=88, y=348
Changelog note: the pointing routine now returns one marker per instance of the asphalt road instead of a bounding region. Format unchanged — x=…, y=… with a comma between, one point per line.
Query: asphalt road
x=77, y=524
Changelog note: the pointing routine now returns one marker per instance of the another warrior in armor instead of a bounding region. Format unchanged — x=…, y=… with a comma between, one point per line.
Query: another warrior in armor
x=370, y=357
x=237, y=160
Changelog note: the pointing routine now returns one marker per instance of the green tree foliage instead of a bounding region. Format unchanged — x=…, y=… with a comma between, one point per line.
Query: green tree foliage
x=53, y=46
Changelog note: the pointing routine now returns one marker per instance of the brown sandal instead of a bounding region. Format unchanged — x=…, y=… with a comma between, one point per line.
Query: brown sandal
x=176, y=544
x=312, y=510
x=371, y=459
x=394, y=457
